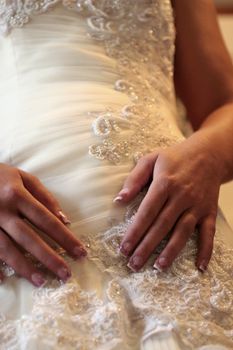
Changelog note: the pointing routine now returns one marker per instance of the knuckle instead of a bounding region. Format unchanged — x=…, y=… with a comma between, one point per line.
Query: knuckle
x=165, y=183
x=20, y=236
x=191, y=196
x=188, y=193
x=16, y=226
x=145, y=213
x=54, y=263
x=167, y=217
x=211, y=229
x=190, y=221
x=213, y=214
x=20, y=233
x=49, y=260
x=12, y=193
x=165, y=221
x=133, y=183
x=187, y=228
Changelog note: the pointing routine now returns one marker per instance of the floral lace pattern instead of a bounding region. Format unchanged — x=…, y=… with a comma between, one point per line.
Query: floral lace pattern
x=197, y=306
x=131, y=136
x=140, y=36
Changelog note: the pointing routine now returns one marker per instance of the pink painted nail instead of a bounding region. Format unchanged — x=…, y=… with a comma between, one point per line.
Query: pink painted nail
x=79, y=252
x=162, y=262
x=157, y=267
x=135, y=263
x=125, y=248
x=64, y=274
x=131, y=267
x=124, y=192
x=118, y=199
x=64, y=218
x=202, y=267
x=38, y=280
x=121, y=195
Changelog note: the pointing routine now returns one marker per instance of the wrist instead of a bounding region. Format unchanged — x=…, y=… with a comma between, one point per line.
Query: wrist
x=209, y=147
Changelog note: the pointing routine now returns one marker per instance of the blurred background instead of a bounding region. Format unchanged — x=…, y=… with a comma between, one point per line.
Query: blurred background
x=225, y=3
x=225, y=10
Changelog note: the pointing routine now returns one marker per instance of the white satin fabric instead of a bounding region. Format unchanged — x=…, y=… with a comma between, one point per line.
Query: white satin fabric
x=51, y=77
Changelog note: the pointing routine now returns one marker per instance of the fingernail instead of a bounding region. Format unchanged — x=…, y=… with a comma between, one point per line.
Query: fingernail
x=38, y=280
x=64, y=274
x=125, y=248
x=157, y=267
x=124, y=191
x=202, y=267
x=135, y=263
x=120, y=252
x=64, y=218
x=117, y=199
x=121, y=195
x=79, y=252
x=162, y=262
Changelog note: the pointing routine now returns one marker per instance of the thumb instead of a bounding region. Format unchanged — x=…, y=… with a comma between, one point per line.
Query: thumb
x=137, y=179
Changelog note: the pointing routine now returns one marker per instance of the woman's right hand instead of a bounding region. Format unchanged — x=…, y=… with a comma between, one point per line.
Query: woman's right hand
x=24, y=202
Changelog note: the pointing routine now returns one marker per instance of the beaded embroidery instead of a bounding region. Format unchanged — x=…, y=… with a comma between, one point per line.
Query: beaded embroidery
x=144, y=64
x=140, y=36
x=198, y=307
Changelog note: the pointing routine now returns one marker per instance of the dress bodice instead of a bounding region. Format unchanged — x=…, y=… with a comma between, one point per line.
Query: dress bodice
x=139, y=36
x=127, y=97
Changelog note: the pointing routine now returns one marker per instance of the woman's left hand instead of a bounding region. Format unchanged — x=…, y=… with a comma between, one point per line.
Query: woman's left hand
x=182, y=195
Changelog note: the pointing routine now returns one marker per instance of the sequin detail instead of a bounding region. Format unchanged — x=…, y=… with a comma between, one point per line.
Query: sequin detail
x=139, y=36
x=129, y=135
x=196, y=306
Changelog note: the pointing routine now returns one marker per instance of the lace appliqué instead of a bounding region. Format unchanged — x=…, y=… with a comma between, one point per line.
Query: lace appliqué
x=130, y=135
x=139, y=35
x=16, y=13
x=199, y=307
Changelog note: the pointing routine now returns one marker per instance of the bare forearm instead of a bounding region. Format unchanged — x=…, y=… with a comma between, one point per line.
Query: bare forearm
x=217, y=129
x=203, y=68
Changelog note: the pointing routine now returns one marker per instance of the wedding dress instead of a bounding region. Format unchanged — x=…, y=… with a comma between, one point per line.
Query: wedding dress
x=85, y=90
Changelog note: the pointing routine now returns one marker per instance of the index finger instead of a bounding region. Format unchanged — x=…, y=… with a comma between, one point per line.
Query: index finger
x=47, y=222
x=148, y=210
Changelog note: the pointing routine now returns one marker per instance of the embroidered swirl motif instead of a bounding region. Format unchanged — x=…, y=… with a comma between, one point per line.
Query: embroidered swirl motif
x=197, y=306
x=140, y=36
